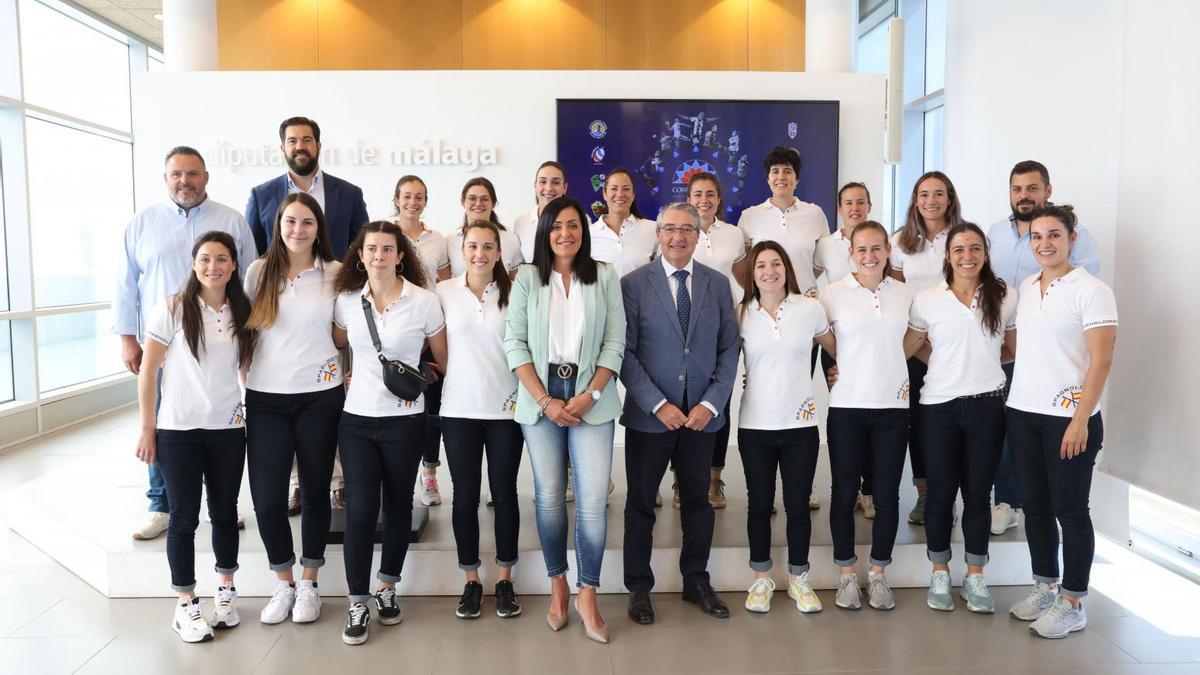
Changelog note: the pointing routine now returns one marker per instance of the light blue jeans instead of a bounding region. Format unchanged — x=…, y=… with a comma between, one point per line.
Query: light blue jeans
x=589, y=448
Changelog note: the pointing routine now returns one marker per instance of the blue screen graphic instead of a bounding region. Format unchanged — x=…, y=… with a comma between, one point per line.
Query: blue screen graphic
x=663, y=142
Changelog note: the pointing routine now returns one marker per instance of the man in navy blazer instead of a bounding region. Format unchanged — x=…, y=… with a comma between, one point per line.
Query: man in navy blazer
x=681, y=352
x=342, y=202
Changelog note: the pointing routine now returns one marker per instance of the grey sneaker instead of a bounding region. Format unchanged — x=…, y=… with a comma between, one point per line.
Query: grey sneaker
x=879, y=594
x=975, y=592
x=1060, y=620
x=848, y=595
x=1036, y=603
x=917, y=515
x=940, y=597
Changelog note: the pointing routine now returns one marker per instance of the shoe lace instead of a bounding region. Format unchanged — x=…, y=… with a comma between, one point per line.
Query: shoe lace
x=941, y=583
x=1059, y=610
x=1039, y=596
x=225, y=595
x=879, y=584
x=844, y=584
x=975, y=585
x=720, y=488
x=306, y=591
x=193, y=611
x=431, y=484
x=386, y=598
x=358, y=614
x=761, y=586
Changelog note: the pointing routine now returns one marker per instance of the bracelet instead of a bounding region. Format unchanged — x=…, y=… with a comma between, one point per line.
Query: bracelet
x=544, y=401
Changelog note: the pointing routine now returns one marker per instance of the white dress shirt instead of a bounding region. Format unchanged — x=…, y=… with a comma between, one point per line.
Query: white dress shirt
x=566, y=319
x=316, y=190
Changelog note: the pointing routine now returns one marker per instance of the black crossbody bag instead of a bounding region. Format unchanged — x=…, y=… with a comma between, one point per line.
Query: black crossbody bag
x=403, y=380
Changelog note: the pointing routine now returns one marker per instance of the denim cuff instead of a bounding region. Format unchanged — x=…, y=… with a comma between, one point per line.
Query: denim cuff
x=1053, y=581
x=470, y=566
x=938, y=557
x=359, y=598
x=506, y=563
x=184, y=589
x=226, y=570
x=557, y=572
x=849, y=562
x=312, y=563
x=1078, y=595
x=977, y=559
x=587, y=583
x=283, y=566
x=880, y=563
x=797, y=570
x=431, y=465
x=761, y=566
x=388, y=578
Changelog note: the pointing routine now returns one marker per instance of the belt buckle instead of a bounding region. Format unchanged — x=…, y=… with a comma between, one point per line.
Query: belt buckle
x=564, y=371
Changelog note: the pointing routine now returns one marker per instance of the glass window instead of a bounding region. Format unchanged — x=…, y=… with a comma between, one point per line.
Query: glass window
x=77, y=220
x=6, y=363
x=73, y=68
x=155, y=65
x=75, y=348
x=935, y=45
x=3, y=254
x=933, y=139
x=871, y=52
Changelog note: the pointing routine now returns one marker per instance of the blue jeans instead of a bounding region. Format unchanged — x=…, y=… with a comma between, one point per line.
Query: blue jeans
x=1008, y=488
x=589, y=449
x=157, y=494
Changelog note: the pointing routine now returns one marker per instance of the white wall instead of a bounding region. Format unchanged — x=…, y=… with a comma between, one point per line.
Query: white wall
x=513, y=111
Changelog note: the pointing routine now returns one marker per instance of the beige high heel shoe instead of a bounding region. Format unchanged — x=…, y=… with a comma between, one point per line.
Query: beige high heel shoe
x=598, y=634
x=556, y=623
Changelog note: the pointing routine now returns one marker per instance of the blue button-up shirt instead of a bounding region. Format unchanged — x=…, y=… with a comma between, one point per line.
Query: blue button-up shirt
x=1012, y=257
x=157, y=256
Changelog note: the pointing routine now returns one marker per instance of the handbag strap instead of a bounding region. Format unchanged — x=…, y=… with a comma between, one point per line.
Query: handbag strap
x=370, y=314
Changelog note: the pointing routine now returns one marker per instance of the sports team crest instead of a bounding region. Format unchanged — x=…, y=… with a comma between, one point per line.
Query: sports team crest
x=686, y=170
x=598, y=129
x=1069, y=397
x=792, y=129
x=328, y=370
x=902, y=394
x=807, y=410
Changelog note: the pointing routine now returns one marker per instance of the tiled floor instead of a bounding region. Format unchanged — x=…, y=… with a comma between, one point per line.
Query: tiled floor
x=51, y=622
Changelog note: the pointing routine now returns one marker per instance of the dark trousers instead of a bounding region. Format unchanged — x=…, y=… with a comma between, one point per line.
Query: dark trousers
x=280, y=427
x=646, y=458
x=792, y=454
x=188, y=460
x=431, y=452
x=827, y=362
x=858, y=436
x=1008, y=489
x=721, y=440
x=916, y=455
x=380, y=456
x=962, y=443
x=1055, y=491
x=466, y=442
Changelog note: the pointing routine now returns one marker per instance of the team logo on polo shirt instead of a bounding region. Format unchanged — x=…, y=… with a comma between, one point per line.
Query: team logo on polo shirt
x=902, y=394
x=807, y=410
x=1068, y=397
x=598, y=129
x=598, y=154
x=328, y=370
x=238, y=417
x=685, y=171
x=408, y=405
x=510, y=403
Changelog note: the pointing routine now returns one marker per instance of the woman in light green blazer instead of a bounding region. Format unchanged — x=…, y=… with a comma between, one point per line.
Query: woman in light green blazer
x=565, y=338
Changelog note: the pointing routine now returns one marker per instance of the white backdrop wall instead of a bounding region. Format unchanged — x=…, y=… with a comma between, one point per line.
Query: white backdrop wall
x=513, y=112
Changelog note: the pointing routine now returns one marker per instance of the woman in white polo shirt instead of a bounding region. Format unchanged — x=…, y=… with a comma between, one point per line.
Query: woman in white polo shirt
x=479, y=203
x=379, y=434
x=198, y=436
x=549, y=183
x=967, y=321
x=410, y=199
x=622, y=237
x=1067, y=330
x=294, y=399
x=868, y=408
x=777, y=426
x=722, y=248
x=478, y=400
x=918, y=250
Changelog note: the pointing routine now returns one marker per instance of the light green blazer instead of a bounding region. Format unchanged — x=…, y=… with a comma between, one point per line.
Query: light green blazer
x=527, y=338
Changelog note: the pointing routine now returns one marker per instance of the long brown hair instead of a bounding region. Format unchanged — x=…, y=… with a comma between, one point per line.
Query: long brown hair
x=750, y=289
x=712, y=178
x=272, y=275
x=874, y=226
x=487, y=185
x=912, y=236
x=633, y=208
x=499, y=272
x=991, y=288
x=235, y=295
x=351, y=277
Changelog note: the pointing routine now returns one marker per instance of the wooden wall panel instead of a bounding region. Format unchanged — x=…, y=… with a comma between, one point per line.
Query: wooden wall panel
x=267, y=34
x=676, y=35
x=776, y=29
x=390, y=35
x=533, y=34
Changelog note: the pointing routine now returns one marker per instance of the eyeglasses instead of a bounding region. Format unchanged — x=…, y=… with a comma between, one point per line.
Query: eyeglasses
x=474, y=199
x=685, y=230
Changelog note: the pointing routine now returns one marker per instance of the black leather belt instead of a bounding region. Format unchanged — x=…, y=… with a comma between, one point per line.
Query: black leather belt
x=998, y=393
x=564, y=371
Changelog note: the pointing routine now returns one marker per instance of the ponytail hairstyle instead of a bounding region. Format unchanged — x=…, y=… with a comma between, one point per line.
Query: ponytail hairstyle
x=750, y=289
x=850, y=186
x=487, y=185
x=405, y=180
x=499, y=272
x=272, y=276
x=239, y=305
x=991, y=288
x=633, y=208
x=873, y=226
x=912, y=235
x=352, y=277
x=1063, y=213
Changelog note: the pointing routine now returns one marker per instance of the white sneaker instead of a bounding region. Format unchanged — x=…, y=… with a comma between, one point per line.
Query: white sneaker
x=801, y=590
x=879, y=594
x=281, y=602
x=848, y=595
x=1004, y=518
x=190, y=623
x=1060, y=620
x=225, y=614
x=1040, y=598
x=759, y=597
x=156, y=523
x=430, y=496
x=308, y=603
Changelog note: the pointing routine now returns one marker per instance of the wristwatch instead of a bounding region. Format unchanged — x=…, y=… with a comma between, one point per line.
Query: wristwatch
x=594, y=392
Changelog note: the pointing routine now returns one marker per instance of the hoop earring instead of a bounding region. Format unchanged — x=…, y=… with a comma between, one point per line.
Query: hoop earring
x=361, y=266
x=400, y=267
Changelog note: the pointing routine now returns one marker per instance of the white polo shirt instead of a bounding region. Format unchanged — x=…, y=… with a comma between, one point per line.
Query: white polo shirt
x=798, y=229
x=479, y=384
x=966, y=357
x=922, y=269
x=869, y=327
x=204, y=393
x=776, y=350
x=510, y=251
x=296, y=354
x=628, y=251
x=1052, y=354
x=719, y=248
x=833, y=256
x=431, y=248
x=403, y=327
x=525, y=227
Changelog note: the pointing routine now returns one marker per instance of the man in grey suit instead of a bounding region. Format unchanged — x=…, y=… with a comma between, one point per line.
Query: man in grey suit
x=681, y=351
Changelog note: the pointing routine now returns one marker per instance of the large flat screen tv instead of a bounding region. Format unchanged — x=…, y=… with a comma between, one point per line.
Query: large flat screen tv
x=663, y=142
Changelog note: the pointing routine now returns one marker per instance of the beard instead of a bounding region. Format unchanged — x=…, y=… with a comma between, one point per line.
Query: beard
x=305, y=169
x=186, y=202
x=1025, y=216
